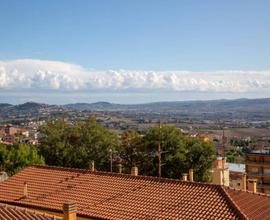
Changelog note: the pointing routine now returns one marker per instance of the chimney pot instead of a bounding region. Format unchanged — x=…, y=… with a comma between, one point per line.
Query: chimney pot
x=252, y=185
x=190, y=175
x=244, y=181
x=134, y=171
x=218, y=163
x=119, y=168
x=92, y=165
x=70, y=210
x=25, y=190
x=184, y=177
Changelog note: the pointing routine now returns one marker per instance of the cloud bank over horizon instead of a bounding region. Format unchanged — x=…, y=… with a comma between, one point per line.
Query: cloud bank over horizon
x=59, y=82
x=52, y=76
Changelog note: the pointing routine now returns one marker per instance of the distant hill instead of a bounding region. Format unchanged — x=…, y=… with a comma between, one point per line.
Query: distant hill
x=246, y=109
x=29, y=110
x=237, y=105
x=93, y=106
x=5, y=105
x=214, y=110
x=31, y=106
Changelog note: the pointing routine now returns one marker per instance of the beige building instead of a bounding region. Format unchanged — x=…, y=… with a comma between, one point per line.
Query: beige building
x=237, y=173
x=258, y=167
x=220, y=175
x=230, y=174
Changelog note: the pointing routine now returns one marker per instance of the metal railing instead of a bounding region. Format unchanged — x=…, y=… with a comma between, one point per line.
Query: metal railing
x=263, y=163
x=259, y=173
x=263, y=185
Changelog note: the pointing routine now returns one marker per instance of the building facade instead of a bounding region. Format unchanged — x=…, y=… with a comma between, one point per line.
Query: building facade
x=258, y=167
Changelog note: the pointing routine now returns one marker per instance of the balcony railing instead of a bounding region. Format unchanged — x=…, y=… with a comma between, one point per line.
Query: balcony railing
x=262, y=163
x=263, y=185
x=258, y=174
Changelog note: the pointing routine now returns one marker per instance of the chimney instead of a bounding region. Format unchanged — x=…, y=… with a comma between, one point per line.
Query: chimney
x=25, y=190
x=244, y=181
x=120, y=168
x=92, y=165
x=134, y=171
x=252, y=185
x=119, y=165
x=221, y=173
x=70, y=211
x=184, y=177
x=218, y=163
x=190, y=173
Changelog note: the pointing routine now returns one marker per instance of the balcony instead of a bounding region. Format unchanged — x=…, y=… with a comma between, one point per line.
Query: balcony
x=258, y=174
x=263, y=185
x=259, y=163
x=263, y=152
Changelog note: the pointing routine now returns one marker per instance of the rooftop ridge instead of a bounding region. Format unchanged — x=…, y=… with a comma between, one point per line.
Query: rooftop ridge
x=247, y=191
x=229, y=199
x=154, y=178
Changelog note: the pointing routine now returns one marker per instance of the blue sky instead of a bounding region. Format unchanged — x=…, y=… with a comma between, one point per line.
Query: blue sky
x=140, y=35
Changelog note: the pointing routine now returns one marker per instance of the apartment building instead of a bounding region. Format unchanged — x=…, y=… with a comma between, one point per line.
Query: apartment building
x=258, y=167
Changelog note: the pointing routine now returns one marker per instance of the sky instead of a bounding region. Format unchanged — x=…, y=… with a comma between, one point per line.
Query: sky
x=133, y=51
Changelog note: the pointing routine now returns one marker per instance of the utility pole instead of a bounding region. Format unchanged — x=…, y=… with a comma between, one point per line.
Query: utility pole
x=159, y=160
x=159, y=151
x=223, y=141
x=223, y=152
x=111, y=159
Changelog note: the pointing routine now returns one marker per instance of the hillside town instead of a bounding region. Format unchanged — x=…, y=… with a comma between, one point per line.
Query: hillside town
x=10, y=134
x=134, y=110
x=239, y=172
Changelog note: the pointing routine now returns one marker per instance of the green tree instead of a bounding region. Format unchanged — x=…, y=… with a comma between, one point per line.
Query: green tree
x=200, y=155
x=15, y=157
x=180, y=153
x=75, y=145
x=234, y=155
x=131, y=150
x=172, y=146
x=4, y=156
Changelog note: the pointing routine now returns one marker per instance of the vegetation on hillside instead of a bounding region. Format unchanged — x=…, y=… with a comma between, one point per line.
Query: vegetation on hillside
x=13, y=158
x=76, y=145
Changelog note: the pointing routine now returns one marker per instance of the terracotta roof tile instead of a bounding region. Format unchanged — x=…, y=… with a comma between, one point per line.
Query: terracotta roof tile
x=254, y=205
x=8, y=212
x=120, y=196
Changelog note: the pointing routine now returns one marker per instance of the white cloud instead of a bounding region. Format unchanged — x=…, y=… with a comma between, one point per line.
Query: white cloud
x=53, y=75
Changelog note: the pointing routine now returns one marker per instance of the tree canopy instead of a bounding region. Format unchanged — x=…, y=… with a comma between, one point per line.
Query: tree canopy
x=13, y=158
x=76, y=145
x=179, y=153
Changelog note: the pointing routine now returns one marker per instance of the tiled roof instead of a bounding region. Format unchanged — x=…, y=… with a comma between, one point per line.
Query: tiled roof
x=8, y=212
x=119, y=196
x=254, y=205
